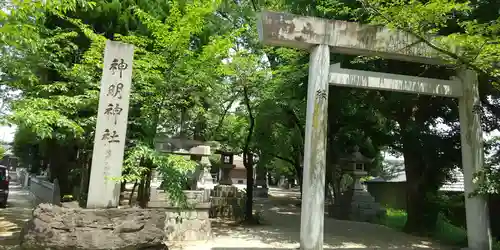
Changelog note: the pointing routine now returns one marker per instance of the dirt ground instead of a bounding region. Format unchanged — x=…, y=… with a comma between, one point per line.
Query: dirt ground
x=281, y=227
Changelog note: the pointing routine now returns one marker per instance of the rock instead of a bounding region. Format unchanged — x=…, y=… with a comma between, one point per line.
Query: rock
x=71, y=204
x=59, y=228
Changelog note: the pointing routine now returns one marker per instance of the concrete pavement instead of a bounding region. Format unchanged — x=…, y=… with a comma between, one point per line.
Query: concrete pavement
x=12, y=218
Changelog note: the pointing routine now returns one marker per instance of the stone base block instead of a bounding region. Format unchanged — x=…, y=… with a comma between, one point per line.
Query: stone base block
x=363, y=196
x=227, y=202
x=54, y=227
x=194, y=198
x=356, y=206
x=230, y=208
x=226, y=191
x=188, y=225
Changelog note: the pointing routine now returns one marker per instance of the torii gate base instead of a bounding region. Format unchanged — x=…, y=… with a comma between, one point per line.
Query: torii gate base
x=319, y=35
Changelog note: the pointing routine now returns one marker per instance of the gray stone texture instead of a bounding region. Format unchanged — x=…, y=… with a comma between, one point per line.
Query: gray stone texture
x=188, y=225
x=227, y=202
x=364, y=207
x=55, y=228
x=185, y=223
x=356, y=205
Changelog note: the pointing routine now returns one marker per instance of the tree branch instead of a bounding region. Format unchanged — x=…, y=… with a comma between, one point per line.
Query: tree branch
x=251, y=121
x=423, y=39
x=226, y=110
x=295, y=120
x=281, y=158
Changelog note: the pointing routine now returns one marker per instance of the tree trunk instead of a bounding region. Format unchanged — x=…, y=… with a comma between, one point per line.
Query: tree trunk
x=141, y=192
x=147, y=189
x=248, y=158
x=60, y=164
x=250, y=182
x=298, y=166
x=85, y=177
x=34, y=162
x=422, y=212
x=299, y=173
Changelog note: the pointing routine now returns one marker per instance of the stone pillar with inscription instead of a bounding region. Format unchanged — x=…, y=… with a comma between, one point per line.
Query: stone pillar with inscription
x=111, y=127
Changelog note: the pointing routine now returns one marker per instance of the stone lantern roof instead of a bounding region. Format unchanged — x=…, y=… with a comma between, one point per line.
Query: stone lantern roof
x=356, y=157
x=182, y=146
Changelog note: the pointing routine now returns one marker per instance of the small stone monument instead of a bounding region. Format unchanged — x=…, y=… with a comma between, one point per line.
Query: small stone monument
x=261, y=188
x=357, y=204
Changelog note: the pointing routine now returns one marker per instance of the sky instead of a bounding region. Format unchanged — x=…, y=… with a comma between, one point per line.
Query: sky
x=7, y=133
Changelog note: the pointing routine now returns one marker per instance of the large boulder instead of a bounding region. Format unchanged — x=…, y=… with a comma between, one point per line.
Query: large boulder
x=57, y=228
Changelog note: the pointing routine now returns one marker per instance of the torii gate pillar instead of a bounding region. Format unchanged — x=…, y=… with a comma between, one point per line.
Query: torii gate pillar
x=313, y=183
x=319, y=36
x=471, y=136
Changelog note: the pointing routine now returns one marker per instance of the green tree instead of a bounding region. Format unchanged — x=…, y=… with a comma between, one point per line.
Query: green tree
x=55, y=60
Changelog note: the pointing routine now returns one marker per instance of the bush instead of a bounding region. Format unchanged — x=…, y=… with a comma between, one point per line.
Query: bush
x=452, y=206
x=445, y=231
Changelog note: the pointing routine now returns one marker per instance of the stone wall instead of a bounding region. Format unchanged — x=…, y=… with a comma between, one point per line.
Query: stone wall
x=188, y=225
x=189, y=222
x=44, y=191
x=54, y=227
x=227, y=202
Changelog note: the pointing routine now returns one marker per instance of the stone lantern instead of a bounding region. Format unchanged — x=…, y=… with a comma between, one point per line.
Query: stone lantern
x=226, y=167
x=355, y=165
x=203, y=177
x=227, y=158
x=197, y=151
x=362, y=205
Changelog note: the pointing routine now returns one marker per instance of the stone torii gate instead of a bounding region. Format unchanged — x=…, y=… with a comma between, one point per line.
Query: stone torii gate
x=321, y=37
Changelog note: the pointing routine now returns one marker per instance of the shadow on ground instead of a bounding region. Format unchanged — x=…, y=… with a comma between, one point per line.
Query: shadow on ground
x=14, y=216
x=281, y=228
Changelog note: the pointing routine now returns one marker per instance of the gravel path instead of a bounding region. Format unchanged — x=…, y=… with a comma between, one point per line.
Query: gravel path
x=282, y=226
x=12, y=218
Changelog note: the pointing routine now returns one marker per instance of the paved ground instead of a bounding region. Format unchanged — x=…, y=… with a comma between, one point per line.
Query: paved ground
x=282, y=225
x=12, y=218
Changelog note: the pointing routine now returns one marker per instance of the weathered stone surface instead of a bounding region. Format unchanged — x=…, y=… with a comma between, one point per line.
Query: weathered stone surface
x=56, y=228
x=227, y=202
x=356, y=206
x=159, y=198
x=188, y=225
x=284, y=29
